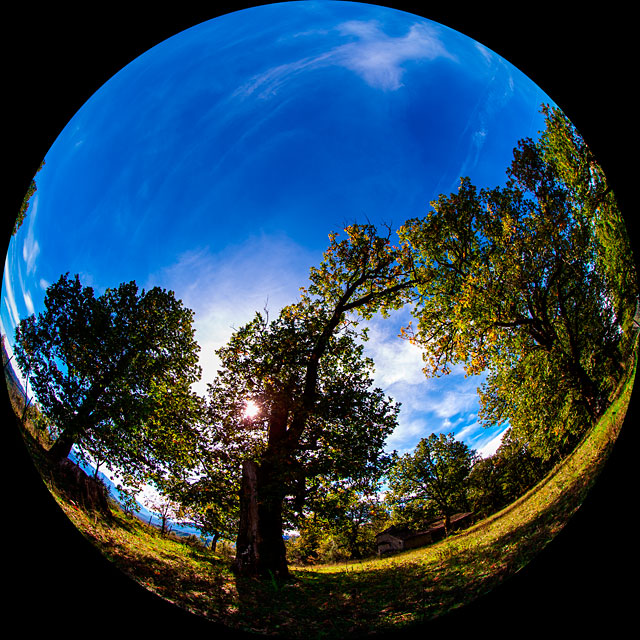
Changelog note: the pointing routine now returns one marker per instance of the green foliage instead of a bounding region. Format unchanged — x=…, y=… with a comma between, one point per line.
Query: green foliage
x=519, y=282
x=113, y=375
x=485, y=488
x=563, y=148
x=434, y=476
x=266, y=363
x=341, y=520
x=500, y=479
x=543, y=405
x=363, y=272
x=24, y=207
x=416, y=513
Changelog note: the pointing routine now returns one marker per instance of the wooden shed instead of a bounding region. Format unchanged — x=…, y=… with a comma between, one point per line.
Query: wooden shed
x=395, y=538
x=392, y=539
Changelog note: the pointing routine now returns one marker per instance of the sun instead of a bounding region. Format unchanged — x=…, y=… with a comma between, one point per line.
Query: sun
x=251, y=409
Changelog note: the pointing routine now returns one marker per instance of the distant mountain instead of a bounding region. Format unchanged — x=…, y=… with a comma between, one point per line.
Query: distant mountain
x=9, y=364
x=143, y=513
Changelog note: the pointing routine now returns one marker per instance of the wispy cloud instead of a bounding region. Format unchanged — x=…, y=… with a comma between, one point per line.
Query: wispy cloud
x=454, y=401
x=490, y=445
x=397, y=361
x=487, y=54
x=500, y=88
x=377, y=58
x=28, y=301
x=30, y=246
x=406, y=435
x=9, y=297
x=226, y=289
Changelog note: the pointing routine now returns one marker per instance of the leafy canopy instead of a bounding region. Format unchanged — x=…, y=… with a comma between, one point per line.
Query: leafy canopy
x=266, y=363
x=113, y=374
x=520, y=282
x=434, y=475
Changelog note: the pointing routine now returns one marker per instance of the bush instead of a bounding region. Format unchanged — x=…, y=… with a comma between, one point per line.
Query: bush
x=300, y=550
x=331, y=551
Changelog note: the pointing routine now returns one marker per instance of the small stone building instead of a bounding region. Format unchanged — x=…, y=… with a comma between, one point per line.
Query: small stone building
x=402, y=538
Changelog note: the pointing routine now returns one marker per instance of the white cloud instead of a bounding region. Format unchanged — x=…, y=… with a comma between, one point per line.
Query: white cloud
x=428, y=405
x=376, y=57
x=30, y=246
x=406, y=435
x=225, y=290
x=491, y=446
x=453, y=402
x=397, y=361
x=28, y=301
x=447, y=425
x=9, y=298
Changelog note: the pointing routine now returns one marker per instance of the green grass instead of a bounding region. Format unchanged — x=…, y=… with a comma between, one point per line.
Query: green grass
x=378, y=594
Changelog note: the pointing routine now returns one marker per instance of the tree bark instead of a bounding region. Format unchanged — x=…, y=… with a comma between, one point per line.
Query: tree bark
x=447, y=524
x=260, y=549
x=247, y=555
x=62, y=446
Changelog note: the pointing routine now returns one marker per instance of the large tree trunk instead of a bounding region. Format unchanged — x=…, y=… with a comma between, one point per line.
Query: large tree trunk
x=247, y=555
x=260, y=549
x=62, y=446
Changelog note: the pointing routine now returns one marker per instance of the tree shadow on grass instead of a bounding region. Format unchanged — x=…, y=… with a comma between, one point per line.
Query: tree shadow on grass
x=405, y=593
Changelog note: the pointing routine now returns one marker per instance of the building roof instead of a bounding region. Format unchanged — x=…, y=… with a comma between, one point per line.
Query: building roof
x=404, y=533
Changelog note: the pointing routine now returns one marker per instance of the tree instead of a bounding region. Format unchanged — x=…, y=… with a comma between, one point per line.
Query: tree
x=265, y=363
x=564, y=148
x=416, y=513
x=520, y=469
x=164, y=508
x=113, y=374
x=209, y=503
x=485, y=492
x=348, y=512
x=436, y=472
x=305, y=372
x=24, y=207
x=517, y=281
x=509, y=473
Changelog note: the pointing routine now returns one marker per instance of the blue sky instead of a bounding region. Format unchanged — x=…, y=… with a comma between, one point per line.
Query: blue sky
x=216, y=164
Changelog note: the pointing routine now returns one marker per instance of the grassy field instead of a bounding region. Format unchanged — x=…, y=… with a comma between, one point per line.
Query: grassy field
x=354, y=598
